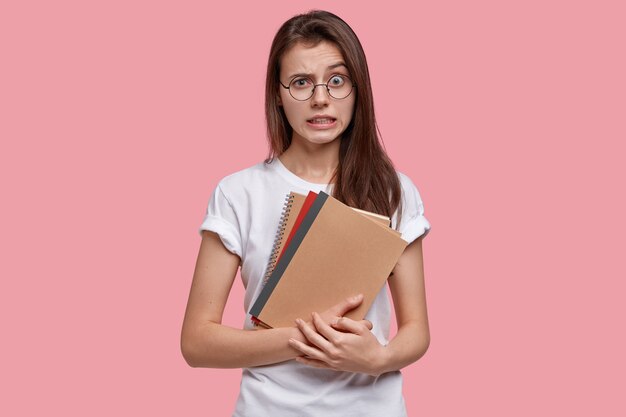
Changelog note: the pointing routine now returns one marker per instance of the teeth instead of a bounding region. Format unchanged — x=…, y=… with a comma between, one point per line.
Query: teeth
x=321, y=121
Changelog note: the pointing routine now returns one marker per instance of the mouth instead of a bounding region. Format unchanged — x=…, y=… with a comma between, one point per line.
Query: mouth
x=322, y=121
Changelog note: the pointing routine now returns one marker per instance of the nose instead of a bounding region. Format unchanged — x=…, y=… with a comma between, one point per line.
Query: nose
x=320, y=95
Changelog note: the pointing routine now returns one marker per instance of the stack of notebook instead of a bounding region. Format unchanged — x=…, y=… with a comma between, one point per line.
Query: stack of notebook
x=324, y=252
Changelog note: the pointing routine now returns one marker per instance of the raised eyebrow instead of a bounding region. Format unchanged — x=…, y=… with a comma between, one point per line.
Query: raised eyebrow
x=331, y=67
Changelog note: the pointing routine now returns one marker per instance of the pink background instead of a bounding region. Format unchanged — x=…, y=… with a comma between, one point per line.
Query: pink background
x=118, y=118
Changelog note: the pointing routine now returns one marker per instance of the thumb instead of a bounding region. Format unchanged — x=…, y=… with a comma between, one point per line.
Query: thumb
x=348, y=304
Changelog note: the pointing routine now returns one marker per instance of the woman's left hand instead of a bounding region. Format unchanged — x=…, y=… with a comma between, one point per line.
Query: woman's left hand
x=346, y=346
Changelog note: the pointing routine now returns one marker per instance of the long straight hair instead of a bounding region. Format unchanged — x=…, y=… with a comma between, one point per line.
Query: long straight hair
x=365, y=177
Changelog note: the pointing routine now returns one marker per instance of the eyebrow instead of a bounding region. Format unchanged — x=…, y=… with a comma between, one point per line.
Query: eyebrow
x=339, y=64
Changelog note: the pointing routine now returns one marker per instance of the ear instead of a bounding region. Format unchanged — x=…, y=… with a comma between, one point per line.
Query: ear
x=278, y=99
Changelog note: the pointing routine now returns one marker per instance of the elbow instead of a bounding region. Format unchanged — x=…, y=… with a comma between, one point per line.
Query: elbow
x=190, y=351
x=204, y=345
x=424, y=345
x=422, y=336
x=200, y=349
x=190, y=360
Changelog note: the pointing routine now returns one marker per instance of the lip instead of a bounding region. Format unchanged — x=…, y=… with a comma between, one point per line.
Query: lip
x=321, y=116
x=322, y=126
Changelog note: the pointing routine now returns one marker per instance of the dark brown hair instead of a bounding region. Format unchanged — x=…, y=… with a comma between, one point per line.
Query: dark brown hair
x=365, y=177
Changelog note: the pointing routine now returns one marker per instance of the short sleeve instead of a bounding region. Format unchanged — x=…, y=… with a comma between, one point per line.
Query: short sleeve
x=413, y=224
x=221, y=218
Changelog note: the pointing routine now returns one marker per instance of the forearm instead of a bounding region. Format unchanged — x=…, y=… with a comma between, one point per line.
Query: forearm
x=410, y=343
x=213, y=345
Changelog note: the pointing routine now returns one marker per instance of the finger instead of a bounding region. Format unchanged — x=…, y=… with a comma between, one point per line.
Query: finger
x=312, y=335
x=309, y=351
x=367, y=324
x=351, y=326
x=313, y=362
x=348, y=304
x=325, y=330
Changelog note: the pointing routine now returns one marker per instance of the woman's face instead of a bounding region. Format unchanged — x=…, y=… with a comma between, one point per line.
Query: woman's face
x=319, y=63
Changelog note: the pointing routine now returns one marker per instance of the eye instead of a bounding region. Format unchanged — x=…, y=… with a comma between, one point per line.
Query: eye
x=301, y=83
x=337, y=80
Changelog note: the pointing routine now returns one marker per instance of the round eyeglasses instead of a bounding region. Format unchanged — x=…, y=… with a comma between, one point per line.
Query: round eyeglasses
x=338, y=86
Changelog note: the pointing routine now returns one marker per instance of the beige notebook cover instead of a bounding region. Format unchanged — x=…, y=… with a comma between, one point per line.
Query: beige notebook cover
x=293, y=205
x=340, y=253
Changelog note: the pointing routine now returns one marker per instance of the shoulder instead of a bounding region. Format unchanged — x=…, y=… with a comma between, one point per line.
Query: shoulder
x=231, y=197
x=253, y=179
x=413, y=223
x=243, y=176
x=412, y=204
x=409, y=189
x=405, y=180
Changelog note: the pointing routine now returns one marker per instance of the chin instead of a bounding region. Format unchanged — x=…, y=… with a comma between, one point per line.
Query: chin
x=321, y=141
x=321, y=138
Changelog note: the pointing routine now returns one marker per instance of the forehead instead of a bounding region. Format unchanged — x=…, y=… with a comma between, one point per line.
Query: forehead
x=311, y=60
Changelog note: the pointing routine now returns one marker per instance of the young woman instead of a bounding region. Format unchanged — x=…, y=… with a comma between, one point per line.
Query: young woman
x=323, y=136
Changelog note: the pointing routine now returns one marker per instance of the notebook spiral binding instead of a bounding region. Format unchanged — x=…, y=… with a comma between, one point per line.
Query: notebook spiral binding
x=280, y=234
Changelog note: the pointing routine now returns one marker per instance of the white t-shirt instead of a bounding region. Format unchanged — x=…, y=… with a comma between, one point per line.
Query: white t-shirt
x=245, y=210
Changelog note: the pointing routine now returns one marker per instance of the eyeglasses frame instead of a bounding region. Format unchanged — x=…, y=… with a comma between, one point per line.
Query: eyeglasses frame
x=288, y=87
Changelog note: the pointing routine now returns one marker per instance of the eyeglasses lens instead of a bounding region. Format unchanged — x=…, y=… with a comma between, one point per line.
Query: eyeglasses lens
x=338, y=86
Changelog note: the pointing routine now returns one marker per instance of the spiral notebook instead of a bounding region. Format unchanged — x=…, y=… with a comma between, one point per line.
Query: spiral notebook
x=336, y=251
x=295, y=207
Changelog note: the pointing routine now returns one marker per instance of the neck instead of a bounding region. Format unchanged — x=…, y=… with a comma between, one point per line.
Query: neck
x=312, y=162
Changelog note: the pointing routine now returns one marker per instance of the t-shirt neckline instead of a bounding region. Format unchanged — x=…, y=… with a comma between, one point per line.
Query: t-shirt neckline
x=296, y=180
